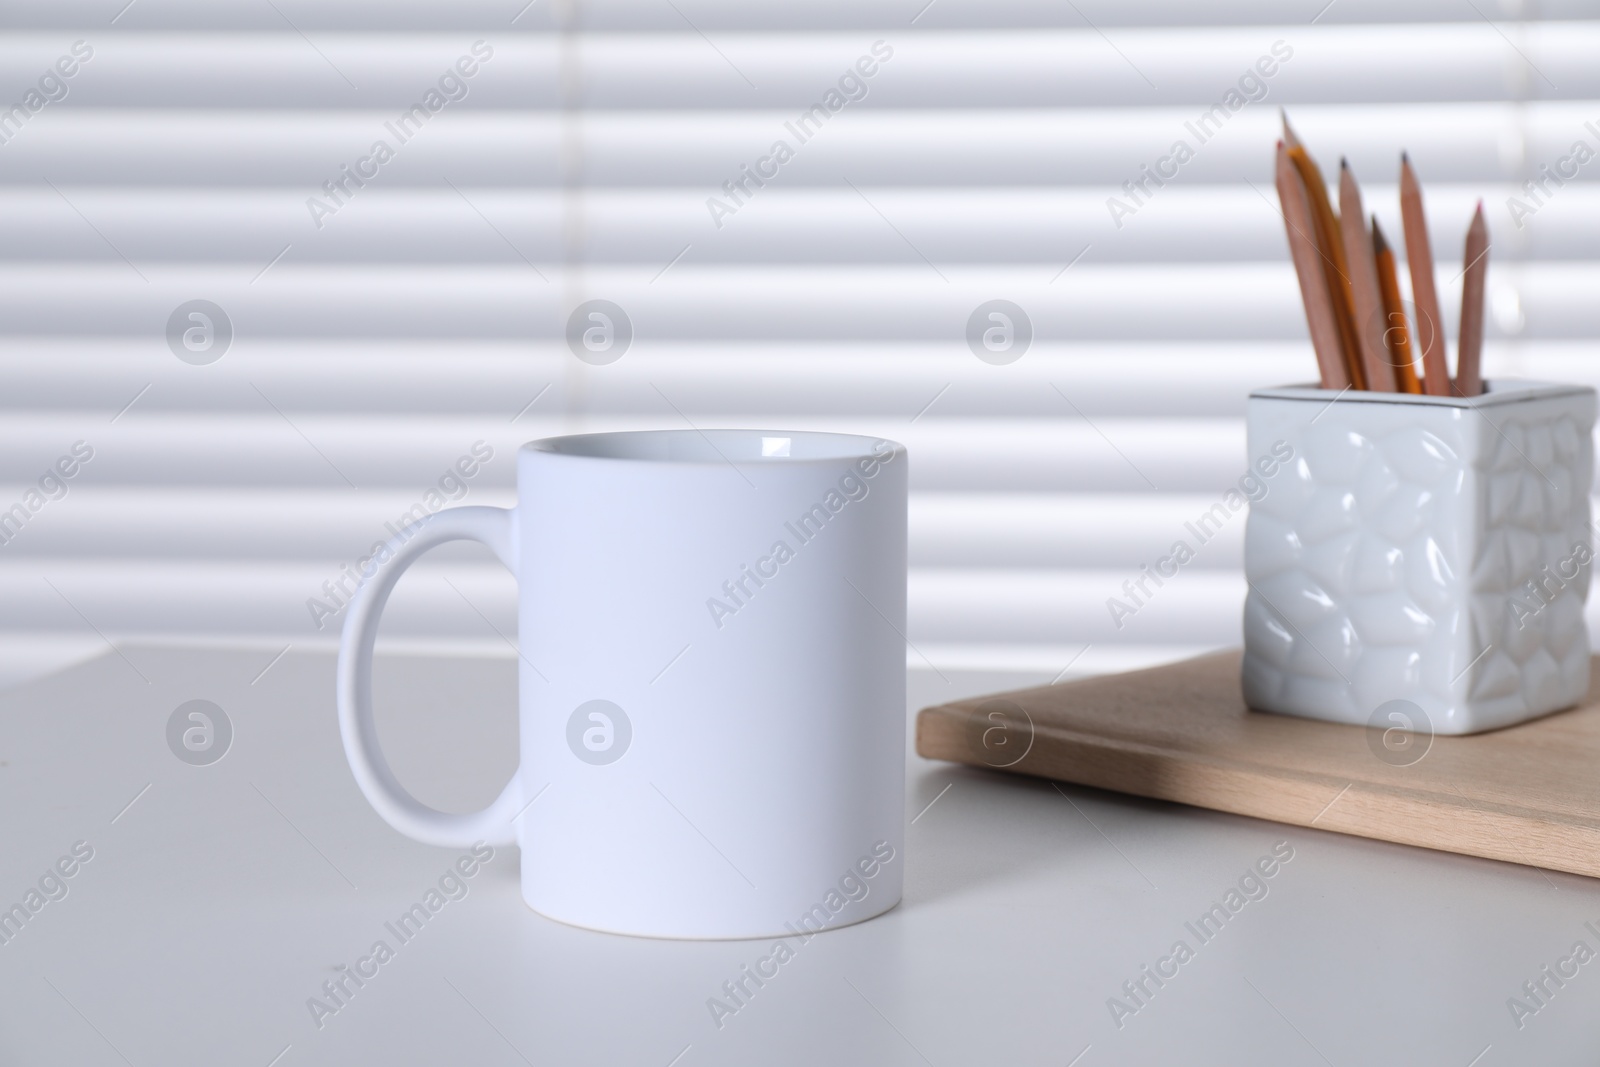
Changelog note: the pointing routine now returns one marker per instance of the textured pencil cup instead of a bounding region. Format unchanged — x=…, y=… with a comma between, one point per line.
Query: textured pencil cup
x=1430, y=550
x=711, y=681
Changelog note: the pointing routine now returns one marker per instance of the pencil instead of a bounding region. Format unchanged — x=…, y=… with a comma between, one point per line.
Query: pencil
x=1331, y=250
x=1363, y=273
x=1290, y=139
x=1469, y=376
x=1308, y=266
x=1331, y=247
x=1430, y=341
x=1396, y=334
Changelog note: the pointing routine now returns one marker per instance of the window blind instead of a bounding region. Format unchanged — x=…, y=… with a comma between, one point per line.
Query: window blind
x=374, y=322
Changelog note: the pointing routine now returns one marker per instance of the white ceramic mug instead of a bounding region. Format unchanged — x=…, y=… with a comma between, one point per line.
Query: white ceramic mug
x=712, y=680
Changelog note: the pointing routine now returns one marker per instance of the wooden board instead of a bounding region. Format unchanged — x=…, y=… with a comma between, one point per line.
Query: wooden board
x=1526, y=794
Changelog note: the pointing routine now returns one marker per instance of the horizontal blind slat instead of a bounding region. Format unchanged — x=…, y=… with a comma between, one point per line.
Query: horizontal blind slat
x=821, y=304
x=976, y=529
x=724, y=16
x=1451, y=142
x=1196, y=225
x=767, y=382
x=1065, y=67
x=338, y=452
x=261, y=601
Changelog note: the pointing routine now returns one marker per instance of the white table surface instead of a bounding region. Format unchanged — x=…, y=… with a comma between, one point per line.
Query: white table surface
x=218, y=902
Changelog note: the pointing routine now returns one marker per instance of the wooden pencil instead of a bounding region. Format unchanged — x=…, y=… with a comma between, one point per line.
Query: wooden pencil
x=1469, y=374
x=1308, y=267
x=1331, y=246
x=1396, y=332
x=1290, y=138
x=1362, y=269
x=1429, y=332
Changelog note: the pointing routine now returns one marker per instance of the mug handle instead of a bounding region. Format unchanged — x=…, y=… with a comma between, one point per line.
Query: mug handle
x=495, y=528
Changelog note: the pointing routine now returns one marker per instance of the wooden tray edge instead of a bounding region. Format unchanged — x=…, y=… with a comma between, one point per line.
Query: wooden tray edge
x=1360, y=808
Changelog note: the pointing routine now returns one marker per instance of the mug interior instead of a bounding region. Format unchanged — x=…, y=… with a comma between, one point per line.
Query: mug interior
x=716, y=446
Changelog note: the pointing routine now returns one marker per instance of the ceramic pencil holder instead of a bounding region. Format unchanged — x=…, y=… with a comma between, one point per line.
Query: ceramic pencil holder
x=1427, y=549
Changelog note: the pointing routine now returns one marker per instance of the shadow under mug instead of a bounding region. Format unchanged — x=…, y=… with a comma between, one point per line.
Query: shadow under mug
x=711, y=687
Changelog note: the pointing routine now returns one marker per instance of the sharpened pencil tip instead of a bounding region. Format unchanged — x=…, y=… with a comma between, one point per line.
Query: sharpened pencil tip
x=1344, y=164
x=1405, y=157
x=1290, y=138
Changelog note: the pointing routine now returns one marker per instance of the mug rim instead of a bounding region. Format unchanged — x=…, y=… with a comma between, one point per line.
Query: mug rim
x=855, y=446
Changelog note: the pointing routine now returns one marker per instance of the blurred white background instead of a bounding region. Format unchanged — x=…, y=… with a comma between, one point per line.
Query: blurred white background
x=376, y=338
